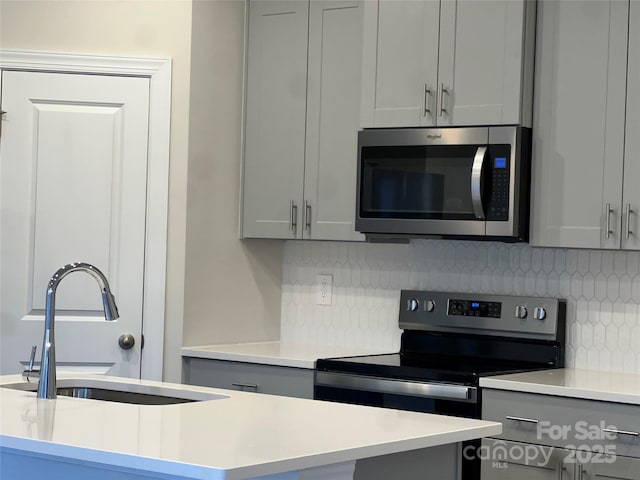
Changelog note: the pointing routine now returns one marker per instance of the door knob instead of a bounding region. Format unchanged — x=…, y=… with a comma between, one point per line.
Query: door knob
x=126, y=341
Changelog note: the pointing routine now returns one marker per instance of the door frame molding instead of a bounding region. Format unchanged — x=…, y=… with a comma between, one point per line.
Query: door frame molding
x=158, y=71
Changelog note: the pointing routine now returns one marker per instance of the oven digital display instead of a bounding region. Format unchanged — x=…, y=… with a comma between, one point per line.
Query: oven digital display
x=474, y=308
x=500, y=162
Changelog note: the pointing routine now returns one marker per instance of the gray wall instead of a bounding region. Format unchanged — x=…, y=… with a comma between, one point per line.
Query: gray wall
x=232, y=287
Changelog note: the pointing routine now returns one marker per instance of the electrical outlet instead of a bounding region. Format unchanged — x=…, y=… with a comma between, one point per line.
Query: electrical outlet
x=323, y=285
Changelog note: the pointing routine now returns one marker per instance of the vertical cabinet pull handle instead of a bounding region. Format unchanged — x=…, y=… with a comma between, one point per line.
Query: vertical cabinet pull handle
x=443, y=90
x=307, y=215
x=427, y=95
x=628, y=212
x=607, y=227
x=561, y=470
x=294, y=216
x=580, y=472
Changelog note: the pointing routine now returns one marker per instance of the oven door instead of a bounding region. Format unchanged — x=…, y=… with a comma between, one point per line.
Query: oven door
x=421, y=181
x=443, y=399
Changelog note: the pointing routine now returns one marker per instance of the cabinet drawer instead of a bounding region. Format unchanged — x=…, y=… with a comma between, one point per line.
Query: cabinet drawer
x=564, y=422
x=287, y=381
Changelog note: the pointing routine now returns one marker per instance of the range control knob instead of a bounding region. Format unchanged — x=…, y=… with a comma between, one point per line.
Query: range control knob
x=413, y=305
x=521, y=312
x=539, y=313
x=429, y=305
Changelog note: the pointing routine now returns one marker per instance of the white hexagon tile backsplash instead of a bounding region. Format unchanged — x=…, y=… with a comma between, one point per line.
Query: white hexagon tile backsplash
x=602, y=289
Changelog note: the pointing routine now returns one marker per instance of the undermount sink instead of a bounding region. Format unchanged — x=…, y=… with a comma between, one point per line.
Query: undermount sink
x=131, y=393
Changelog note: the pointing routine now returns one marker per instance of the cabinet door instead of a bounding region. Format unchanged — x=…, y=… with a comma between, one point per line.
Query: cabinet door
x=275, y=120
x=505, y=460
x=631, y=224
x=249, y=377
x=621, y=468
x=333, y=110
x=578, y=134
x=481, y=59
x=400, y=61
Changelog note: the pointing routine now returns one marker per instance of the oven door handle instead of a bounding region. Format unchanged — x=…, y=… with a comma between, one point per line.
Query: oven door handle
x=476, y=177
x=397, y=387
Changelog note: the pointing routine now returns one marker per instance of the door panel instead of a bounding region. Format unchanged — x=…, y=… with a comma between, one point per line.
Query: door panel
x=620, y=468
x=578, y=134
x=71, y=214
x=505, y=460
x=333, y=109
x=632, y=138
x=275, y=125
x=405, y=48
x=73, y=176
x=480, y=62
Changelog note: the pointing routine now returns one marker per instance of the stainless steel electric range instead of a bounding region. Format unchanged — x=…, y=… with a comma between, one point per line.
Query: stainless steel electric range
x=449, y=341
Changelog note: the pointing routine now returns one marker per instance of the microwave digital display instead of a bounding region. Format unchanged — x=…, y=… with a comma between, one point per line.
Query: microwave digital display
x=500, y=162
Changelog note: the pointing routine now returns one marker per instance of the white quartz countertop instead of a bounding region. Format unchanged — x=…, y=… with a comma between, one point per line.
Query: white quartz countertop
x=285, y=354
x=575, y=383
x=240, y=435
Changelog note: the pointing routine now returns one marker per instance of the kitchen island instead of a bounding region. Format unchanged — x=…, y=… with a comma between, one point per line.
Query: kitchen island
x=227, y=435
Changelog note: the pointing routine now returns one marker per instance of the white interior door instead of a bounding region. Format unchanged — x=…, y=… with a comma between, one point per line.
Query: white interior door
x=73, y=176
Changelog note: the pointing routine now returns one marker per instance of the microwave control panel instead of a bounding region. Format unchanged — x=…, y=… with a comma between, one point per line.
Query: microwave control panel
x=498, y=205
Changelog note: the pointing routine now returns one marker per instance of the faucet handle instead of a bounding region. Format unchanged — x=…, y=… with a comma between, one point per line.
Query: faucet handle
x=33, y=356
x=30, y=374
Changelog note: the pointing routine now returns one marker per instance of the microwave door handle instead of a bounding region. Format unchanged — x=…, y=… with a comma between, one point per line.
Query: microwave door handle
x=476, y=176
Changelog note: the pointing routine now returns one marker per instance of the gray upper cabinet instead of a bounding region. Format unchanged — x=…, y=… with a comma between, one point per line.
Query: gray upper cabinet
x=275, y=120
x=631, y=192
x=585, y=171
x=303, y=106
x=449, y=62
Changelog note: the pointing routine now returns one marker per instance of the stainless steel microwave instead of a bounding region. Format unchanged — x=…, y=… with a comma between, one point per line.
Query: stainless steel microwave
x=466, y=182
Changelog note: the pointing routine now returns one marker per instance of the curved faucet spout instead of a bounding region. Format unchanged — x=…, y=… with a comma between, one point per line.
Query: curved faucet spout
x=108, y=300
x=47, y=374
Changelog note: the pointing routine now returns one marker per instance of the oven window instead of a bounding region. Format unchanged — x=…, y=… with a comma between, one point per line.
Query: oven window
x=422, y=182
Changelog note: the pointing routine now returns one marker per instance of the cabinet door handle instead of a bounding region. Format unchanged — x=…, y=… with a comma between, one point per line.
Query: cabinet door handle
x=607, y=227
x=628, y=212
x=561, y=470
x=443, y=90
x=476, y=177
x=307, y=216
x=522, y=419
x=294, y=216
x=2, y=112
x=621, y=432
x=427, y=95
x=246, y=385
x=580, y=472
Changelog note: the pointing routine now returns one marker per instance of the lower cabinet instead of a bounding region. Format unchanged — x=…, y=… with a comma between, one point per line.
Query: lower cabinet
x=560, y=438
x=623, y=468
x=505, y=460
x=250, y=377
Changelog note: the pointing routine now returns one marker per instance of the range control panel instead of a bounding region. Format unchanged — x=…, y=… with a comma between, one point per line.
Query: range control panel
x=506, y=315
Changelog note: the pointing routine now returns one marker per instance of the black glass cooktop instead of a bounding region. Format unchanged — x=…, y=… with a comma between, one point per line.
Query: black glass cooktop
x=451, y=358
x=422, y=367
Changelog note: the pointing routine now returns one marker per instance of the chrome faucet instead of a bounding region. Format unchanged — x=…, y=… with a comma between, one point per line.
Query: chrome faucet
x=47, y=374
